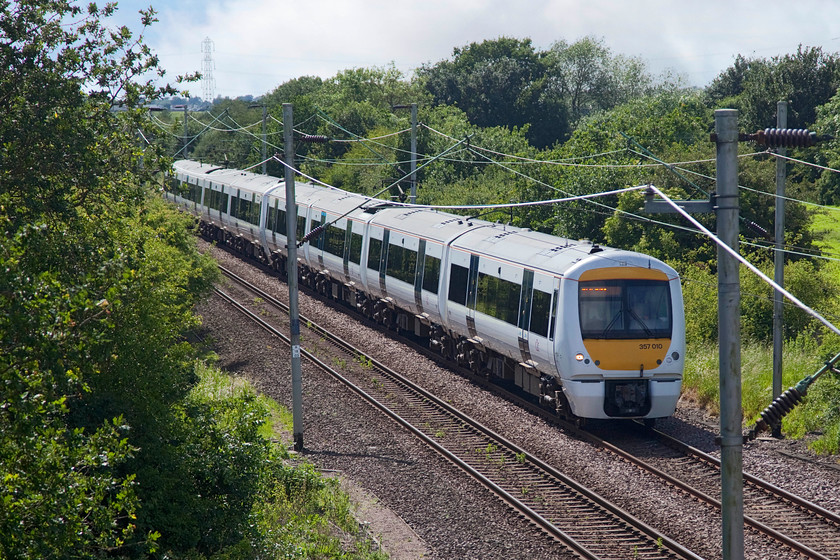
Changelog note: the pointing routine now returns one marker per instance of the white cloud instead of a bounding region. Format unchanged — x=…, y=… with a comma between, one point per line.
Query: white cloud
x=260, y=44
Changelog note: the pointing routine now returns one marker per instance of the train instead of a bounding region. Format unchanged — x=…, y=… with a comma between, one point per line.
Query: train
x=592, y=332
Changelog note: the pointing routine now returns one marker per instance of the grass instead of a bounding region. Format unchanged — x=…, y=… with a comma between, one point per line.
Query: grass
x=301, y=514
x=824, y=224
x=817, y=418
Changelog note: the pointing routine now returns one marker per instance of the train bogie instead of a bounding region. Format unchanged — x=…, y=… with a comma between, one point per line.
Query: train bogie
x=592, y=331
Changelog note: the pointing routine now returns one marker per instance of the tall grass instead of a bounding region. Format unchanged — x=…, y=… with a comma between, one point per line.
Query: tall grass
x=818, y=415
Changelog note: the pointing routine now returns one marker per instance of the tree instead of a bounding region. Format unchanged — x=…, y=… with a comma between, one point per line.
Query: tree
x=96, y=286
x=589, y=78
x=496, y=83
x=506, y=82
x=828, y=122
x=805, y=79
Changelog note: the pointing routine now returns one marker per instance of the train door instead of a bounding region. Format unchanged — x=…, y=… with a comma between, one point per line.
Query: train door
x=471, y=294
x=525, y=313
x=462, y=280
x=541, y=324
x=418, y=276
x=354, y=242
x=374, y=253
x=318, y=242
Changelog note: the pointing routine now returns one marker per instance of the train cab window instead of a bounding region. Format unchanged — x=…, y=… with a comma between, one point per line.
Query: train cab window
x=355, y=248
x=498, y=298
x=402, y=263
x=458, y=280
x=431, y=274
x=625, y=309
x=374, y=253
x=334, y=241
x=541, y=315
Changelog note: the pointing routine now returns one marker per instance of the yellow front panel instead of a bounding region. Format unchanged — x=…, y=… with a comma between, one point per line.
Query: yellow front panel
x=627, y=355
x=622, y=273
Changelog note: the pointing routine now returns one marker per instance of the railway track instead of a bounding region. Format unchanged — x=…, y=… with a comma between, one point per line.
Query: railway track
x=584, y=522
x=799, y=524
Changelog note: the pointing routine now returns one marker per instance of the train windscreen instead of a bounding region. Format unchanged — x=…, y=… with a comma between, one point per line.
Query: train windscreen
x=625, y=309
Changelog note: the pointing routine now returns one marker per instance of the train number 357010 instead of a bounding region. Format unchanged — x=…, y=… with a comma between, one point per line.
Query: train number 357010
x=649, y=346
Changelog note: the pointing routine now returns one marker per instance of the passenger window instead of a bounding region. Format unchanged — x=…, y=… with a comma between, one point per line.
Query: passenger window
x=334, y=241
x=431, y=274
x=498, y=298
x=402, y=263
x=374, y=252
x=540, y=313
x=280, y=223
x=301, y=226
x=458, y=277
x=355, y=248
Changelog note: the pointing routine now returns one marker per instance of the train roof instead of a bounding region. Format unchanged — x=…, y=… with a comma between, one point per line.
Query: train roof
x=531, y=249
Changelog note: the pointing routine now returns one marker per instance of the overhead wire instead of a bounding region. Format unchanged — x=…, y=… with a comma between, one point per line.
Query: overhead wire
x=481, y=152
x=478, y=151
x=734, y=254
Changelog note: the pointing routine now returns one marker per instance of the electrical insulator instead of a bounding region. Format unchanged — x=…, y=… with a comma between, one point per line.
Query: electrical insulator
x=779, y=408
x=313, y=138
x=313, y=233
x=758, y=229
x=784, y=137
x=784, y=403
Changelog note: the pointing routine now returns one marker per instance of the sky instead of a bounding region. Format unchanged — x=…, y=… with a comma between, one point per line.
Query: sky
x=259, y=44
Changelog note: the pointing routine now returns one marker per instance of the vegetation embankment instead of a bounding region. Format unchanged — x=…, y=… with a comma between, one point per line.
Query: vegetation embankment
x=111, y=444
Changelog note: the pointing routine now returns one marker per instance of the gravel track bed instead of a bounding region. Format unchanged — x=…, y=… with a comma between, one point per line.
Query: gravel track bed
x=451, y=516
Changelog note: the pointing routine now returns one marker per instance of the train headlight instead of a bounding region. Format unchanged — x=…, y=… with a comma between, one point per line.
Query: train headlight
x=579, y=357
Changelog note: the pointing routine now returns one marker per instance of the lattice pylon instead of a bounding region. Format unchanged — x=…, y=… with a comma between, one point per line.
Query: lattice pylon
x=208, y=82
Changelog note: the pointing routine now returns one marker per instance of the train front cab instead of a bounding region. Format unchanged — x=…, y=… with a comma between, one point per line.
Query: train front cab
x=624, y=357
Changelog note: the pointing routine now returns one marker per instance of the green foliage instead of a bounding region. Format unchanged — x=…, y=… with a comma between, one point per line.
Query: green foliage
x=806, y=79
x=816, y=416
x=262, y=504
x=69, y=188
x=828, y=122
x=666, y=124
x=699, y=286
x=490, y=81
x=506, y=82
x=813, y=287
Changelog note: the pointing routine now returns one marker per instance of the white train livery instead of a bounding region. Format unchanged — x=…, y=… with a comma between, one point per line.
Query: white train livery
x=592, y=331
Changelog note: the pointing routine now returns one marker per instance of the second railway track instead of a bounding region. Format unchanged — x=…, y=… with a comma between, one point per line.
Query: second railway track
x=810, y=531
x=588, y=524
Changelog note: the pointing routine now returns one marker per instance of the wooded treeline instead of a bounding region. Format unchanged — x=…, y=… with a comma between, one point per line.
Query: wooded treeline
x=571, y=120
x=109, y=447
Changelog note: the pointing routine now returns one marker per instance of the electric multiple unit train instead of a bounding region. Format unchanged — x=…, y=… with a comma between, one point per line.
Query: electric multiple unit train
x=592, y=331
